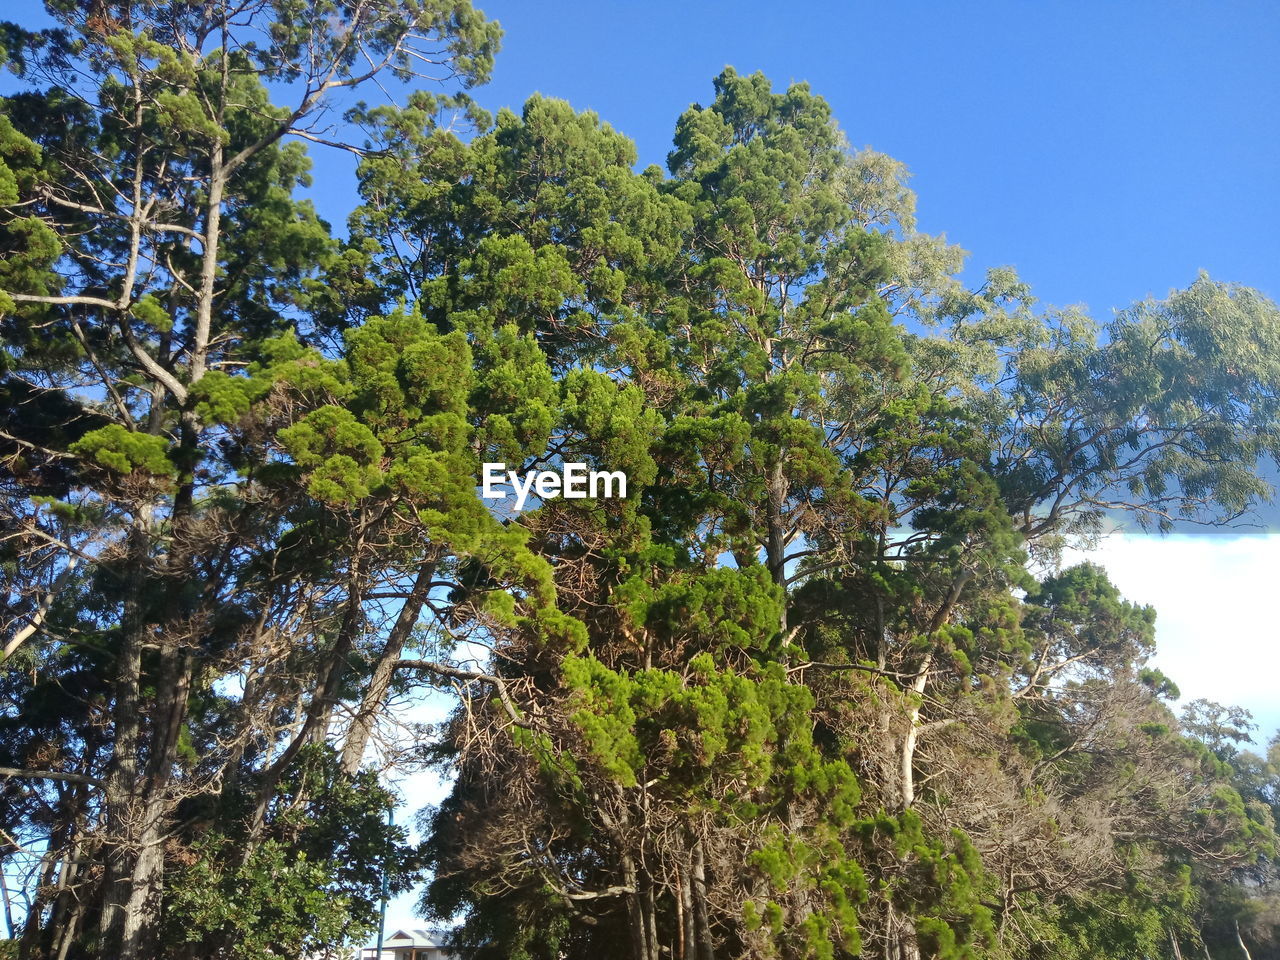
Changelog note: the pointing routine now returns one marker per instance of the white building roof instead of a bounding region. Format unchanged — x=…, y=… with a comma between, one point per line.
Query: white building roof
x=414, y=938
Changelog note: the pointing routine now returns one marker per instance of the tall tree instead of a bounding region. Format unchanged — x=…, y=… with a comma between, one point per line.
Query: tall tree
x=843, y=505
x=156, y=264
x=799, y=694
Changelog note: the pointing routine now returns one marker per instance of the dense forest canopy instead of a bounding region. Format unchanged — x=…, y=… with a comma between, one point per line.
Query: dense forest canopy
x=817, y=687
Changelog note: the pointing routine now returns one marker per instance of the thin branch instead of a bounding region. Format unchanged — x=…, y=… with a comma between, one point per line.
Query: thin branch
x=499, y=685
x=51, y=775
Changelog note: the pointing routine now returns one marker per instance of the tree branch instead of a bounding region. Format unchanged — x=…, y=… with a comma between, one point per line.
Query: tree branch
x=51, y=775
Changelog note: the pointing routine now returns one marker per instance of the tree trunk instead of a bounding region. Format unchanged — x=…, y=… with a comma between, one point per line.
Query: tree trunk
x=906, y=770
x=702, y=921
x=67, y=906
x=376, y=693
x=775, y=533
x=146, y=885
x=1240, y=940
x=687, y=942
x=122, y=770
x=902, y=942
x=650, y=916
x=155, y=806
x=8, y=908
x=69, y=931
x=907, y=756
x=637, y=922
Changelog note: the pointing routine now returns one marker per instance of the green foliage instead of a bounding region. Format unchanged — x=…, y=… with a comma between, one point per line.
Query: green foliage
x=202, y=454
x=125, y=451
x=796, y=696
x=782, y=431
x=313, y=881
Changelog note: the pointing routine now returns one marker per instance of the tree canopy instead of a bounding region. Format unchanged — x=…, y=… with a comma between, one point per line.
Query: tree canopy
x=817, y=687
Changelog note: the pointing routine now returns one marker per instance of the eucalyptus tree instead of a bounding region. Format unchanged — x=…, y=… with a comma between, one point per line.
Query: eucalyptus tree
x=178, y=618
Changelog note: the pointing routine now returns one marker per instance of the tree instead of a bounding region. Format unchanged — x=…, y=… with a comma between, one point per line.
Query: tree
x=156, y=269
x=810, y=690
x=885, y=485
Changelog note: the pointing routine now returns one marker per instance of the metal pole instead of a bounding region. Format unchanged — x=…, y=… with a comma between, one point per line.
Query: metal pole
x=386, y=888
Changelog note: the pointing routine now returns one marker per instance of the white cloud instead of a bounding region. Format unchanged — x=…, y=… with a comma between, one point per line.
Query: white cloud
x=1216, y=627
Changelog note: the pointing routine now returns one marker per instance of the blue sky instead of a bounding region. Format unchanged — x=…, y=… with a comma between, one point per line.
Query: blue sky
x=1108, y=150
